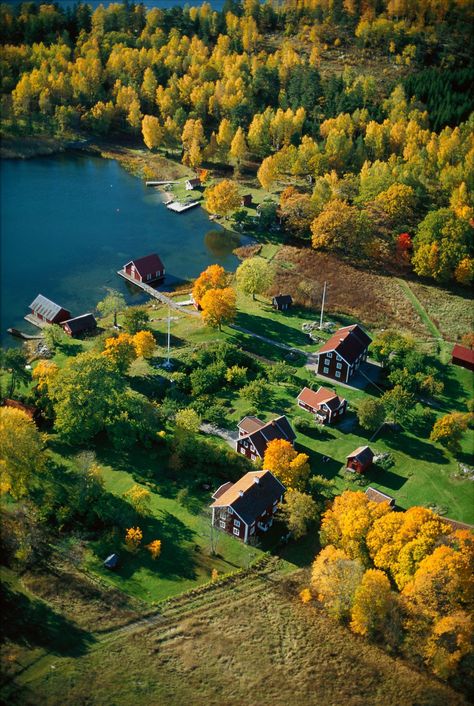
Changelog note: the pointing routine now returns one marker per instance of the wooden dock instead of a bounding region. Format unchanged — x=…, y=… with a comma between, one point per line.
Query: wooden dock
x=160, y=183
x=155, y=294
x=178, y=207
x=25, y=336
x=32, y=319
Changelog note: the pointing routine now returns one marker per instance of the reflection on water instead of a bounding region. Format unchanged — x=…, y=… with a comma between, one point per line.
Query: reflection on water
x=221, y=243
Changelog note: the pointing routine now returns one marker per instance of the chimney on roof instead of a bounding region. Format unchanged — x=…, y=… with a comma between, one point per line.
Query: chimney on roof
x=256, y=480
x=273, y=422
x=341, y=340
x=241, y=493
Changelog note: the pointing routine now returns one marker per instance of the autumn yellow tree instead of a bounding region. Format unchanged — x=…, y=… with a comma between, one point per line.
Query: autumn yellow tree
x=213, y=277
x=219, y=307
x=449, y=430
x=121, y=350
x=152, y=132
x=335, y=578
x=289, y=466
x=347, y=522
x=139, y=498
x=44, y=372
x=133, y=538
x=373, y=603
x=223, y=198
x=21, y=452
x=450, y=641
x=154, y=548
x=144, y=343
x=238, y=148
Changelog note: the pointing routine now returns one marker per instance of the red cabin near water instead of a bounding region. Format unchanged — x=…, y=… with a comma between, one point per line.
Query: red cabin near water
x=145, y=269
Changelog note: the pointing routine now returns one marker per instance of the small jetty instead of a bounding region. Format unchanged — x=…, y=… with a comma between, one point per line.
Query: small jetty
x=179, y=207
x=155, y=293
x=160, y=183
x=25, y=336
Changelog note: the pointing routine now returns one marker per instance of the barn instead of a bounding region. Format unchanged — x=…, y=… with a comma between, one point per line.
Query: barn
x=463, y=356
x=47, y=311
x=146, y=269
x=79, y=325
x=360, y=460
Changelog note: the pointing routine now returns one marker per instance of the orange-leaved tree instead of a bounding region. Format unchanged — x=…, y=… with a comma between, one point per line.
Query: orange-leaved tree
x=213, y=277
x=133, y=537
x=219, y=307
x=154, y=548
x=223, y=198
x=335, y=578
x=373, y=604
x=289, y=466
x=144, y=343
x=121, y=350
x=347, y=522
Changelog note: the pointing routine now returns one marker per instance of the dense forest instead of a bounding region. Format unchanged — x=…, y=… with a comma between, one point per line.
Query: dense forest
x=378, y=157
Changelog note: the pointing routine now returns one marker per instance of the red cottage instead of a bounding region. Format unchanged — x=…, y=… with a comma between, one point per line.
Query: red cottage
x=340, y=357
x=49, y=312
x=360, y=459
x=324, y=404
x=247, y=507
x=254, y=435
x=79, y=325
x=463, y=356
x=145, y=269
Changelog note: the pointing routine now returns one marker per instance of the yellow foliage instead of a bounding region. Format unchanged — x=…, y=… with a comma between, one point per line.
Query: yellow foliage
x=449, y=642
x=334, y=580
x=289, y=466
x=219, y=307
x=213, y=277
x=144, y=343
x=139, y=497
x=21, y=452
x=372, y=602
x=223, y=198
x=305, y=595
x=121, y=350
x=214, y=575
x=154, y=548
x=44, y=372
x=133, y=537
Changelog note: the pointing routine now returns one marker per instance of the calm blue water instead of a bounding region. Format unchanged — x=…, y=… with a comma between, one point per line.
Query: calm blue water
x=68, y=223
x=162, y=4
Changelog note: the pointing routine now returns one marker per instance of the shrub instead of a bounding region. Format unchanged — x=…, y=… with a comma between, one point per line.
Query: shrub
x=303, y=424
x=257, y=392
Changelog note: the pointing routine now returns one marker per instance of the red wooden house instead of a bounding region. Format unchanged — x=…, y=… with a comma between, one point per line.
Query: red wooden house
x=146, y=269
x=254, y=435
x=360, y=460
x=49, y=312
x=324, y=404
x=247, y=507
x=463, y=356
x=80, y=325
x=340, y=357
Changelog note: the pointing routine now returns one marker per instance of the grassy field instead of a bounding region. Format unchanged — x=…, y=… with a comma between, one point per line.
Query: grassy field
x=249, y=640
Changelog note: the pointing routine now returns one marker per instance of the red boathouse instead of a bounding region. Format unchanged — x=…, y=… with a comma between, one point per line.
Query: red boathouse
x=49, y=312
x=145, y=269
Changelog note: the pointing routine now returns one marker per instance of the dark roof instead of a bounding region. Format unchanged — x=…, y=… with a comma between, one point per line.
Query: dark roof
x=147, y=265
x=456, y=525
x=26, y=408
x=463, y=353
x=278, y=428
x=349, y=342
x=45, y=307
x=376, y=496
x=112, y=561
x=282, y=299
x=85, y=322
x=322, y=396
x=364, y=454
x=251, y=495
x=195, y=181
x=250, y=423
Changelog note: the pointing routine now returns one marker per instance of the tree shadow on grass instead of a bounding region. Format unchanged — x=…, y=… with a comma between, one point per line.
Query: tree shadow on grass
x=33, y=623
x=416, y=448
x=329, y=468
x=275, y=330
x=387, y=479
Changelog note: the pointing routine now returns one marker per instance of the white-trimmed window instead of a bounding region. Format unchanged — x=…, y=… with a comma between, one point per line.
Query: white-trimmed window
x=242, y=451
x=339, y=366
x=326, y=361
x=222, y=524
x=328, y=355
x=252, y=457
x=338, y=374
x=230, y=511
x=325, y=370
x=245, y=443
x=236, y=531
x=237, y=523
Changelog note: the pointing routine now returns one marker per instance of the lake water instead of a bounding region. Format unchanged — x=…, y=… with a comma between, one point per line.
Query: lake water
x=161, y=4
x=69, y=222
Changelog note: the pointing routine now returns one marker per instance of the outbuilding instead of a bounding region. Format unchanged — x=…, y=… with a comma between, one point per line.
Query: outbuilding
x=376, y=496
x=360, y=460
x=80, y=325
x=246, y=200
x=192, y=184
x=463, y=356
x=146, y=269
x=47, y=311
x=282, y=302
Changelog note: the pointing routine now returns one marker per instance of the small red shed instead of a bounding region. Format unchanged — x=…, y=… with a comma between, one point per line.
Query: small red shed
x=246, y=200
x=360, y=459
x=46, y=310
x=79, y=325
x=463, y=356
x=146, y=269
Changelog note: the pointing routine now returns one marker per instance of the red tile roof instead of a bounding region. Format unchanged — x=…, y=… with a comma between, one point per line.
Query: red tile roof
x=463, y=353
x=250, y=424
x=323, y=395
x=349, y=342
x=147, y=265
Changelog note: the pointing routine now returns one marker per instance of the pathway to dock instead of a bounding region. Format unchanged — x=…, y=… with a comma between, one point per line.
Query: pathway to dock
x=156, y=294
